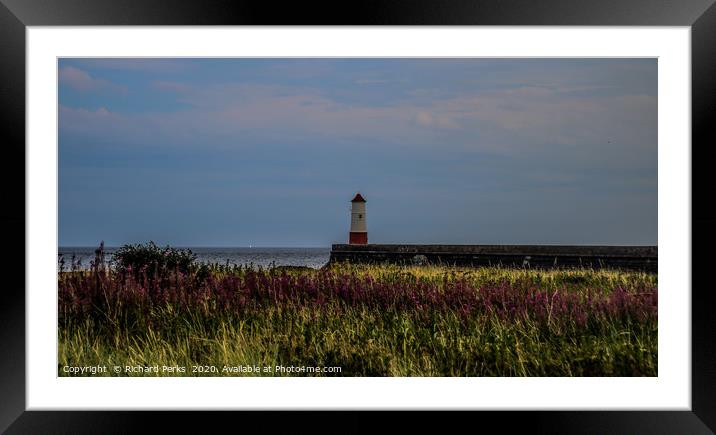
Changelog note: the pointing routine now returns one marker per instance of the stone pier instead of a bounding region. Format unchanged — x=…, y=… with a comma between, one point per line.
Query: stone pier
x=641, y=258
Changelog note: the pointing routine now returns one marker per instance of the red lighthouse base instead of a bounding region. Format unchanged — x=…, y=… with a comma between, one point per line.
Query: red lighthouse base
x=357, y=238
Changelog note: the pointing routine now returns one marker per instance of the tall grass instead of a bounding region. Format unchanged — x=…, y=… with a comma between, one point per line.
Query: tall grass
x=367, y=320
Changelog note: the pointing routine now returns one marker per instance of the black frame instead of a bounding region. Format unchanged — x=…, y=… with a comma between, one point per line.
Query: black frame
x=15, y=15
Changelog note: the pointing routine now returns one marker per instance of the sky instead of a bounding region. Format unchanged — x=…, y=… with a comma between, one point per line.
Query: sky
x=270, y=151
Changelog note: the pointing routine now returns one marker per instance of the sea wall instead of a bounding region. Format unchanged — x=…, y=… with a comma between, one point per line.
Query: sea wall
x=642, y=258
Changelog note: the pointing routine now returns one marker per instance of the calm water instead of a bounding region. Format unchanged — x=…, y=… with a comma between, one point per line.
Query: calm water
x=311, y=257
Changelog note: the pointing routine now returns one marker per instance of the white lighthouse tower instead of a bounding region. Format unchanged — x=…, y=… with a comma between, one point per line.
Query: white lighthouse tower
x=359, y=231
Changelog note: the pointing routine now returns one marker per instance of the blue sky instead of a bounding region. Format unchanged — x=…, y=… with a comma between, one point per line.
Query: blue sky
x=269, y=152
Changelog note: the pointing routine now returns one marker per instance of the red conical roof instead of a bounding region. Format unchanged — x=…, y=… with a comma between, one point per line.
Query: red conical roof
x=358, y=198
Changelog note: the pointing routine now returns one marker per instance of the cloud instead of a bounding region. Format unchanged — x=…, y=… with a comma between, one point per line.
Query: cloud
x=168, y=86
x=426, y=119
x=138, y=64
x=96, y=124
x=301, y=68
x=80, y=80
x=530, y=91
x=371, y=81
x=517, y=120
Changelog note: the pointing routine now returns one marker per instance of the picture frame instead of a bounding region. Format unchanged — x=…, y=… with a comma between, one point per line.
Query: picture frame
x=16, y=15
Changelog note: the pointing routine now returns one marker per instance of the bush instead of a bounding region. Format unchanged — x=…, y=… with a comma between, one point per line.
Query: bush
x=153, y=259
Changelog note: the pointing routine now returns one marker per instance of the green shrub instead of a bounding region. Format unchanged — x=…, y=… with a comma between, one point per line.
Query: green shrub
x=152, y=259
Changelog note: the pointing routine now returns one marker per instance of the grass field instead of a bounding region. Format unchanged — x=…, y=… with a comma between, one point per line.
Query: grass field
x=365, y=320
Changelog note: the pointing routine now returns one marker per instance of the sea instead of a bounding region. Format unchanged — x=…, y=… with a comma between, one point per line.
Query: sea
x=263, y=257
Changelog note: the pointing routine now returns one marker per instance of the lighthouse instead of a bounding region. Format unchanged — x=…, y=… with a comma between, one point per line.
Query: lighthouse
x=359, y=231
